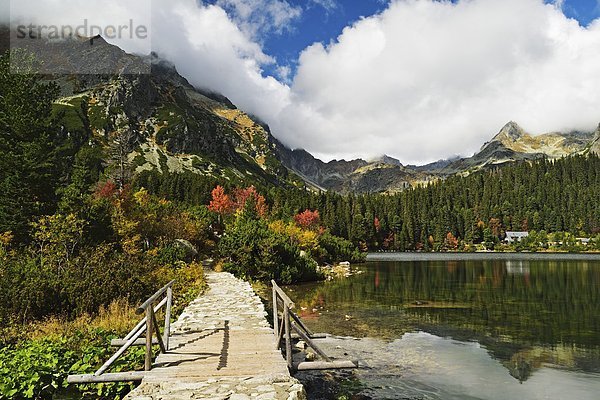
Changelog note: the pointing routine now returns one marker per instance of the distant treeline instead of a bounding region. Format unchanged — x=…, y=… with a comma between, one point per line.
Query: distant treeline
x=550, y=196
x=546, y=196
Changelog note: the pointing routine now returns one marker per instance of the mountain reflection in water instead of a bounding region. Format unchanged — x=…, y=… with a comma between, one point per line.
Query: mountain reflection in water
x=446, y=329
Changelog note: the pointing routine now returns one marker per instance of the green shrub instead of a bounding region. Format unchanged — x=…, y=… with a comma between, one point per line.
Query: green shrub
x=169, y=255
x=101, y=275
x=339, y=249
x=37, y=369
x=255, y=252
x=31, y=289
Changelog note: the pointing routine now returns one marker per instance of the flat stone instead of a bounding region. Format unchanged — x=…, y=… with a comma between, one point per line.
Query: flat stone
x=268, y=396
x=239, y=396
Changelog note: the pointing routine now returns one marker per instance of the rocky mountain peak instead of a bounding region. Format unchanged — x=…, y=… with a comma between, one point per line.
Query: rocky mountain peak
x=595, y=144
x=385, y=159
x=511, y=132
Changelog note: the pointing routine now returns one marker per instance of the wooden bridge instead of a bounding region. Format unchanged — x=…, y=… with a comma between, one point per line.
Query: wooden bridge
x=221, y=341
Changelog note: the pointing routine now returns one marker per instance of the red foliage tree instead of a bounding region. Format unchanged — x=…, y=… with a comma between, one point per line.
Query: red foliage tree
x=241, y=197
x=451, y=242
x=221, y=203
x=105, y=190
x=496, y=227
x=377, y=224
x=308, y=219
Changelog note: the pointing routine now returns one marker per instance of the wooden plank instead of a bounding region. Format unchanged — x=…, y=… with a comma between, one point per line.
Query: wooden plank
x=280, y=335
x=288, y=337
x=161, y=344
x=287, y=301
x=310, y=342
x=138, y=342
x=148, y=359
x=319, y=365
x=115, y=377
x=313, y=336
x=119, y=352
x=167, y=331
x=153, y=298
x=275, y=316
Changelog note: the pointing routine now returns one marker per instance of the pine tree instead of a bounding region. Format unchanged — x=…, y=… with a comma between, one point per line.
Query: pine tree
x=29, y=138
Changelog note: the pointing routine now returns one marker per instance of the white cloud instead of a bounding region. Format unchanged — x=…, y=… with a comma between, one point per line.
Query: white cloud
x=328, y=5
x=259, y=17
x=213, y=52
x=284, y=72
x=421, y=81
x=425, y=80
x=559, y=4
x=84, y=14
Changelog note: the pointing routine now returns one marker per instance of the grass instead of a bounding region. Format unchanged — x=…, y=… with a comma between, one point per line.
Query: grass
x=71, y=119
x=35, y=359
x=119, y=317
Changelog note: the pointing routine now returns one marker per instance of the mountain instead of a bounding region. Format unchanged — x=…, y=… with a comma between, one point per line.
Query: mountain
x=595, y=143
x=385, y=159
x=166, y=124
x=512, y=144
x=171, y=126
x=385, y=174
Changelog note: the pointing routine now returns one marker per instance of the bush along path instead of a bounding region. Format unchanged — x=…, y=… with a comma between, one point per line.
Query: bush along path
x=222, y=347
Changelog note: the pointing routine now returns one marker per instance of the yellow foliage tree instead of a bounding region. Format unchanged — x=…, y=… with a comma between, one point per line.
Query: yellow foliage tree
x=57, y=237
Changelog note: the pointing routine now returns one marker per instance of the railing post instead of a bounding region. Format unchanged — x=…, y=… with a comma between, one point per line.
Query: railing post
x=149, y=329
x=159, y=338
x=275, y=317
x=119, y=352
x=167, y=332
x=288, y=336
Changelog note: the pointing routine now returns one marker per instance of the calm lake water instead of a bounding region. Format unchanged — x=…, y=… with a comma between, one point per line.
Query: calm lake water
x=464, y=326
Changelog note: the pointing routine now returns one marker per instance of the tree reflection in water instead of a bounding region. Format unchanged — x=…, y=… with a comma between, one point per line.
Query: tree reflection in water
x=526, y=313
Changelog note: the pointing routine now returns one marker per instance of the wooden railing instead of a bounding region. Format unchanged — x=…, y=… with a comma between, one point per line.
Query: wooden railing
x=149, y=326
x=285, y=321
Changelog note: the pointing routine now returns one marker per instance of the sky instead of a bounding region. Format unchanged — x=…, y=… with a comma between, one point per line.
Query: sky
x=419, y=80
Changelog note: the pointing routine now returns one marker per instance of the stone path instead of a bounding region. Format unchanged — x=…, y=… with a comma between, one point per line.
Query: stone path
x=221, y=348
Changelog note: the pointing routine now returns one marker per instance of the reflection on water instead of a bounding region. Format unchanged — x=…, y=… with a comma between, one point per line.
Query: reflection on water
x=446, y=329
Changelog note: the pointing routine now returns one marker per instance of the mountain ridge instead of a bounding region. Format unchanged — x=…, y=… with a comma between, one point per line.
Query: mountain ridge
x=178, y=127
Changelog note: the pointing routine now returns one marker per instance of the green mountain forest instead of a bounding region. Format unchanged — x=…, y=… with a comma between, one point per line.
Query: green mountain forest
x=556, y=201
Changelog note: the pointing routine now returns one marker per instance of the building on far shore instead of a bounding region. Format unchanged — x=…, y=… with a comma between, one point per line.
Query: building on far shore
x=515, y=236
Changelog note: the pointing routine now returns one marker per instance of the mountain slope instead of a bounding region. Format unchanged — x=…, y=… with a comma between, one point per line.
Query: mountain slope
x=595, y=143
x=512, y=144
x=387, y=174
x=166, y=123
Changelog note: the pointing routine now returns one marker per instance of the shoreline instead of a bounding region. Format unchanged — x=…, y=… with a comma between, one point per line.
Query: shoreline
x=456, y=256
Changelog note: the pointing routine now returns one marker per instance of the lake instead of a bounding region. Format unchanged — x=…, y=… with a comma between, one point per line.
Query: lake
x=464, y=326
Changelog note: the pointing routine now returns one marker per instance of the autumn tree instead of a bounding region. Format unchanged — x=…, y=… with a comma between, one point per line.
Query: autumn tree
x=450, y=242
x=221, y=203
x=496, y=227
x=58, y=237
x=308, y=219
x=241, y=197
